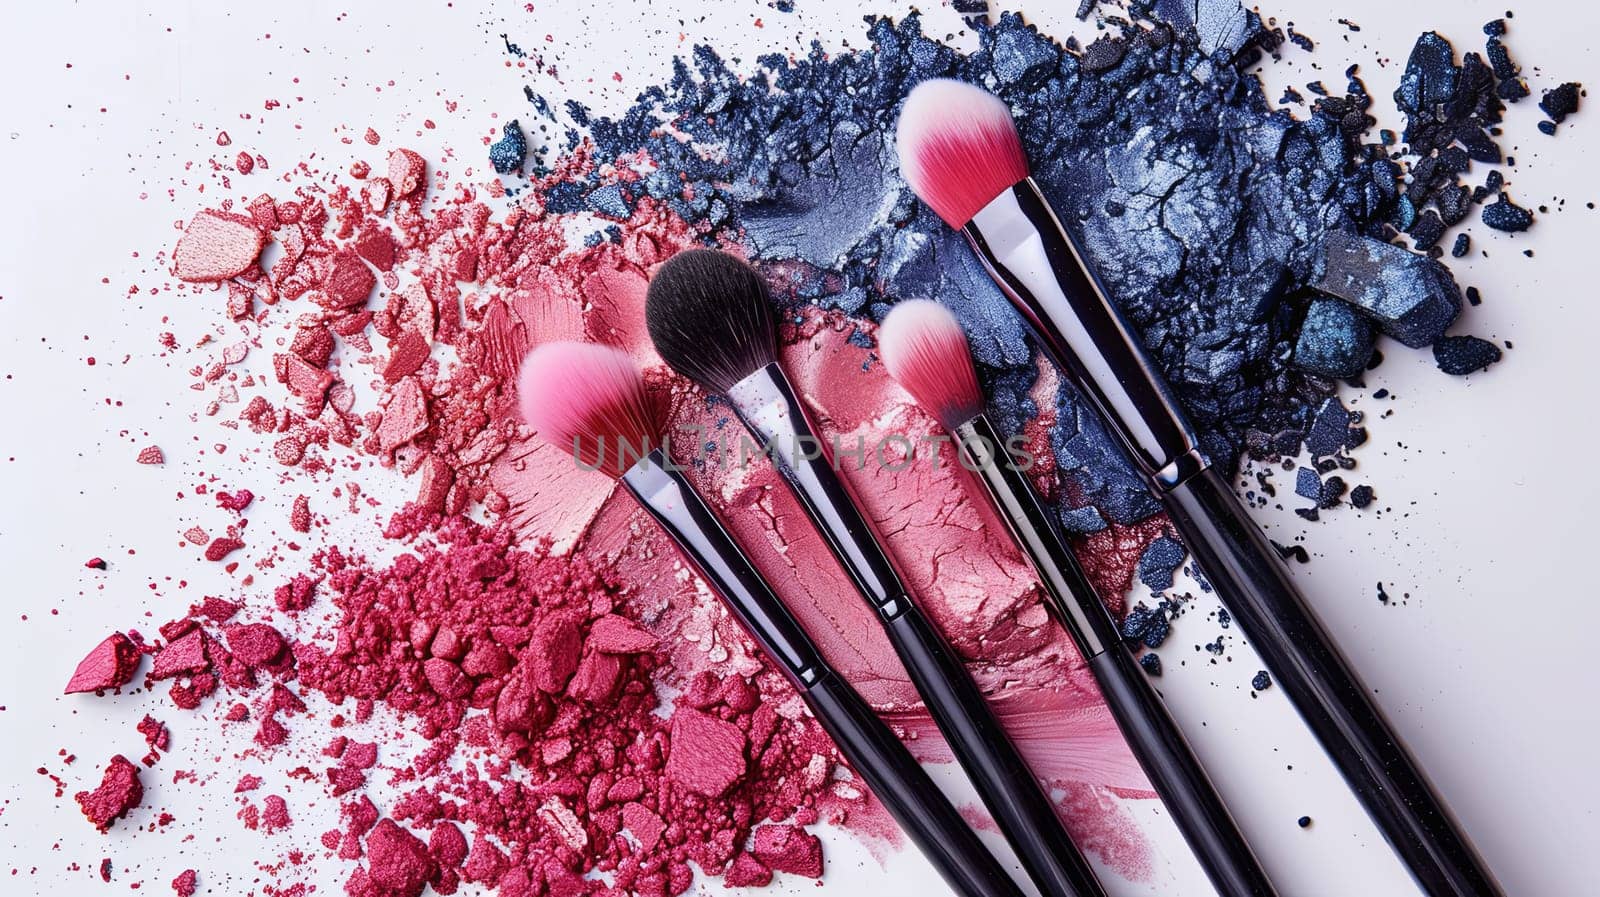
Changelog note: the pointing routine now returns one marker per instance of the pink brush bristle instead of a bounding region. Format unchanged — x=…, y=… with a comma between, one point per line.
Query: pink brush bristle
x=926, y=352
x=958, y=148
x=589, y=400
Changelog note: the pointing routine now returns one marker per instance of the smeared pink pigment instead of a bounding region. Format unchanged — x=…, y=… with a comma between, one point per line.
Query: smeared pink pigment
x=526, y=618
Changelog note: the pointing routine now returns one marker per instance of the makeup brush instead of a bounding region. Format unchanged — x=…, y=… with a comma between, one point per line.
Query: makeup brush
x=923, y=347
x=960, y=151
x=592, y=398
x=712, y=320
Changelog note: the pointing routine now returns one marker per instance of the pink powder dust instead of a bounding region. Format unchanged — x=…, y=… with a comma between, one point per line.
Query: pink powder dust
x=525, y=618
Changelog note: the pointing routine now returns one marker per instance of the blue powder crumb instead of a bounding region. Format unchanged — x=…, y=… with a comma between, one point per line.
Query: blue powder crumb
x=1462, y=246
x=1412, y=297
x=1334, y=340
x=1082, y=521
x=1143, y=624
x=1548, y=128
x=1332, y=493
x=509, y=152
x=1290, y=95
x=1507, y=216
x=1205, y=211
x=1151, y=662
x=1460, y=355
x=610, y=201
x=1158, y=563
x=1215, y=648
x=1224, y=619
x=1261, y=682
x=1560, y=102
x=1383, y=596
x=1330, y=428
x=1361, y=496
x=1307, y=484
x=1305, y=821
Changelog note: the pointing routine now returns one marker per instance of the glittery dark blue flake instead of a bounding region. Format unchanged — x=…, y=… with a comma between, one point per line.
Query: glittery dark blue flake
x=1464, y=354
x=1159, y=561
x=509, y=152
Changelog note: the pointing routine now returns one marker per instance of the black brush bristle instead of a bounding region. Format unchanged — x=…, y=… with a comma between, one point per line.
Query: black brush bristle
x=711, y=318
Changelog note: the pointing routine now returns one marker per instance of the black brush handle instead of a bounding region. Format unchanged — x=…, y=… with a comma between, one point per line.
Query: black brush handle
x=902, y=785
x=934, y=824
x=1243, y=567
x=1022, y=810
x=1152, y=735
x=767, y=403
x=1176, y=774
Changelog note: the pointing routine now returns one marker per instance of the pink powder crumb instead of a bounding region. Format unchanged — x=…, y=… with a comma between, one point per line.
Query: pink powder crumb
x=614, y=634
x=255, y=644
x=119, y=792
x=398, y=864
x=216, y=246
x=237, y=500
x=221, y=547
x=155, y=733
x=789, y=848
x=300, y=514
x=747, y=872
x=185, y=884
x=151, y=454
x=110, y=665
x=247, y=782
x=707, y=753
x=406, y=170
x=274, y=813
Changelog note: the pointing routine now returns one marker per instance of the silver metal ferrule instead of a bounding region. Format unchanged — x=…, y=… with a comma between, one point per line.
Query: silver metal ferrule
x=767, y=404
x=1036, y=264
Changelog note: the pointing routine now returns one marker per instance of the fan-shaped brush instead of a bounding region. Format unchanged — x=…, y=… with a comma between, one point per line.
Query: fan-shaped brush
x=925, y=350
x=960, y=152
x=590, y=397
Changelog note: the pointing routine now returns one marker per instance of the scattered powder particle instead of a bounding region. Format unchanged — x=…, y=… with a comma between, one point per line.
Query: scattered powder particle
x=1303, y=822
x=118, y=793
x=1151, y=661
x=185, y=884
x=788, y=848
x=407, y=172
x=1505, y=215
x=216, y=246
x=221, y=547
x=1361, y=496
x=110, y=665
x=1159, y=562
x=1460, y=355
x=747, y=872
x=300, y=514
x=509, y=152
x=151, y=454
x=707, y=753
x=1261, y=681
x=95, y=563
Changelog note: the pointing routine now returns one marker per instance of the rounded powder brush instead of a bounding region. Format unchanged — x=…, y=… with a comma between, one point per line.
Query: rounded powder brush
x=960, y=152
x=925, y=351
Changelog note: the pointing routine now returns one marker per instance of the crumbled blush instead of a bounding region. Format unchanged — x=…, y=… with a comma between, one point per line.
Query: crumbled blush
x=747, y=872
x=398, y=863
x=789, y=848
x=185, y=884
x=255, y=644
x=221, y=547
x=151, y=454
x=216, y=246
x=119, y=792
x=707, y=753
x=110, y=665
x=613, y=634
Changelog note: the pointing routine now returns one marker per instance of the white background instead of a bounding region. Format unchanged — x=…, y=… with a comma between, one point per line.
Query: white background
x=1486, y=668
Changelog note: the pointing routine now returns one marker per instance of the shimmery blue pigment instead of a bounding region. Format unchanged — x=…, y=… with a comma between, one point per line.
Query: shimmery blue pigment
x=1206, y=212
x=1159, y=561
x=508, y=153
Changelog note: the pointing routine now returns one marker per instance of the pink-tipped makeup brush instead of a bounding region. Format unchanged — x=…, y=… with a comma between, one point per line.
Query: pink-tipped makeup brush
x=592, y=398
x=960, y=152
x=925, y=350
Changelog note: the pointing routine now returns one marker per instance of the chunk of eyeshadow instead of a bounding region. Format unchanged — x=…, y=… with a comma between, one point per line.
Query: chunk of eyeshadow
x=1507, y=216
x=1412, y=297
x=1460, y=355
x=1560, y=102
x=1151, y=663
x=1334, y=340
